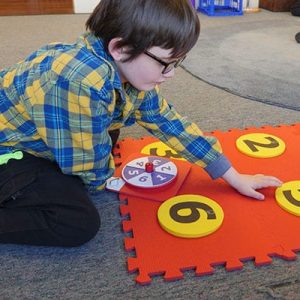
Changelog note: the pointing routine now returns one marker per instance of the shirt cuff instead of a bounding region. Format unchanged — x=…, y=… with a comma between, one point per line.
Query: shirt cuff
x=218, y=167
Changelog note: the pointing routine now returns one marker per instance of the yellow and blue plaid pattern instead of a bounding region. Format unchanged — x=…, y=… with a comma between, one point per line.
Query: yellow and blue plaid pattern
x=60, y=102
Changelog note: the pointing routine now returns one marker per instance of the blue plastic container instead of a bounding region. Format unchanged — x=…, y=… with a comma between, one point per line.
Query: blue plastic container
x=216, y=8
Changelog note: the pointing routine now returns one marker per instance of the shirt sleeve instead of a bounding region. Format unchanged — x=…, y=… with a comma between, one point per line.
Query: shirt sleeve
x=72, y=119
x=164, y=122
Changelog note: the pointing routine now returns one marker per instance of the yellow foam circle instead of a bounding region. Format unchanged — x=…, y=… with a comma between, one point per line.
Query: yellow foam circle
x=190, y=216
x=260, y=145
x=161, y=149
x=288, y=197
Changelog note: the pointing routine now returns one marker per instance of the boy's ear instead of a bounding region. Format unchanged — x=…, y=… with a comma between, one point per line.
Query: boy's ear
x=115, y=51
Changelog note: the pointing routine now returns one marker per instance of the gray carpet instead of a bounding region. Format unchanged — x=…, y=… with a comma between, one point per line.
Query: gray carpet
x=97, y=270
x=258, y=59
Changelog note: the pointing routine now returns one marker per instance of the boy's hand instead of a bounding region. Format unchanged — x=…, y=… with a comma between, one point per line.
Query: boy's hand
x=247, y=184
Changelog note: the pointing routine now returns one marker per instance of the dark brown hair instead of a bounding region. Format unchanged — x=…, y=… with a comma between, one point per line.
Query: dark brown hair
x=142, y=24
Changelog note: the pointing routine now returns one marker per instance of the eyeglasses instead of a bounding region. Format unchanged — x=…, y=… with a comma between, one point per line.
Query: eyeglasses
x=167, y=66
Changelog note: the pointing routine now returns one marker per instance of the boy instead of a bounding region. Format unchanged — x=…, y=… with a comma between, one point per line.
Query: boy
x=61, y=107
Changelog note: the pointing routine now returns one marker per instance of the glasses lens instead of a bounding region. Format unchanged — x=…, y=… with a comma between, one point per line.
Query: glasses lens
x=179, y=62
x=169, y=68
x=173, y=65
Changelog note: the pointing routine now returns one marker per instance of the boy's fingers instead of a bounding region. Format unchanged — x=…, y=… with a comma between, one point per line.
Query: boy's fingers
x=257, y=195
x=269, y=181
x=275, y=180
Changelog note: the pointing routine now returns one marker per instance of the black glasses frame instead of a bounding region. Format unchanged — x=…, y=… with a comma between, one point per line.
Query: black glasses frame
x=167, y=66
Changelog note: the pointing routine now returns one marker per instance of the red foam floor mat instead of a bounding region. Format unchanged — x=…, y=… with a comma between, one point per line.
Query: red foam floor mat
x=251, y=229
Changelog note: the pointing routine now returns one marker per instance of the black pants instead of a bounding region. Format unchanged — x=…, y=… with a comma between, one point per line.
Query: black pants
x=39, y=205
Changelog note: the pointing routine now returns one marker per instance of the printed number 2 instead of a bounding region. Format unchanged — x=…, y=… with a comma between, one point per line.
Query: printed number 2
x=253, y=145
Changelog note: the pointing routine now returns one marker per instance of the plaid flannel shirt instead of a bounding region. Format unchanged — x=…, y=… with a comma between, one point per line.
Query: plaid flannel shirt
x=60, y=102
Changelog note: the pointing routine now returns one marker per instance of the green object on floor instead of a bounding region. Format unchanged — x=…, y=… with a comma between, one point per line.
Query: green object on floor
x=4, y=158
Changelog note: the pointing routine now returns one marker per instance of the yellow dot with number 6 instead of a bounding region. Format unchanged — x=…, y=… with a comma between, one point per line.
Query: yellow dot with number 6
x=190, y=216
x=288, y=197
x=260, y=145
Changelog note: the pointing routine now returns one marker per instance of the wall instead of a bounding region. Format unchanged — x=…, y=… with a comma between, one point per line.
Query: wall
x=84, y=6
x=250, y=5
x=87, y=6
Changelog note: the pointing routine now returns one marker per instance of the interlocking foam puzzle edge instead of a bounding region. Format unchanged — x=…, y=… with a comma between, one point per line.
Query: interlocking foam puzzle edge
x=252, y=230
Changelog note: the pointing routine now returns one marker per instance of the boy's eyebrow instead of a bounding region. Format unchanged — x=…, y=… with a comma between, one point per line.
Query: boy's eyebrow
x=163, y=57
x=171, y=59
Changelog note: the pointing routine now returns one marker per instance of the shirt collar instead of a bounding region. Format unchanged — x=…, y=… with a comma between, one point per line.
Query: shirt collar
x=96, y=45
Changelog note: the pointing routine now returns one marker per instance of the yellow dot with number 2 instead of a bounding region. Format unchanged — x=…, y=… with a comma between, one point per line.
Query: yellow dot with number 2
x=190, y=216
x=288, y=197
x=260, y=145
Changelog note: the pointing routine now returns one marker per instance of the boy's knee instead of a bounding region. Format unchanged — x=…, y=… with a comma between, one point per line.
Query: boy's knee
x=78, y=226
x=88, y=230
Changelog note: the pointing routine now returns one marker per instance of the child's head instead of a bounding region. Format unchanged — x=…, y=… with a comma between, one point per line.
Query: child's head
x=142, y=24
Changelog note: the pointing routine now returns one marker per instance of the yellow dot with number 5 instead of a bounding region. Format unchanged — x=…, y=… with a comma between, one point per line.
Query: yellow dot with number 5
x=161, y=149
x=288, y=197
x=260, y=145
x=190, y=216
